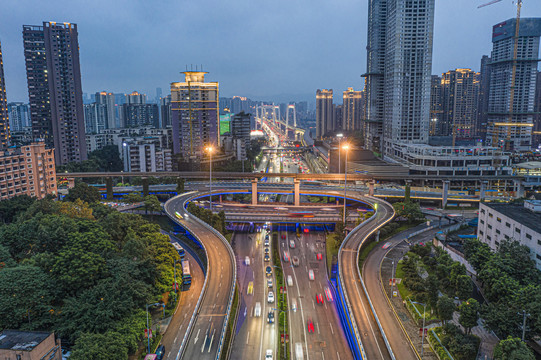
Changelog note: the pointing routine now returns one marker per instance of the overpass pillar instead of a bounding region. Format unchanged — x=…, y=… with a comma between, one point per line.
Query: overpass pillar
x=109, y=188
x=145, y=186
x=519, y=189
x=254, y=192
x=444, y=194
x=371, y=188
x=407, y=191
x=297, y=192
x=483, y=190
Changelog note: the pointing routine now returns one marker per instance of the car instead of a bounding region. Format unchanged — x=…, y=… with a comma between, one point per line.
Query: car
x=319, y=298
x=319, y=256
x=160, y=352
x=386, y=245
x=250, y=289
x=292, y=244
x=294, y=305
x=311, y=274
x=267, y=257
x=257, y=309
x=295, y=261
x=268, y=354
x=328, y=294
x=267, y=242
x=283, y=236
x=270, y=316
x=247, y=260
x=270, y=297
x=289, y=280
x=286, y=256
x=268, y=270
x=299, y=354
x=310, y=325
x=269, y=283
x=267, y=250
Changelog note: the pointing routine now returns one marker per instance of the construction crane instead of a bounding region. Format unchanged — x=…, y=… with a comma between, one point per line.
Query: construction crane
x=509, y=123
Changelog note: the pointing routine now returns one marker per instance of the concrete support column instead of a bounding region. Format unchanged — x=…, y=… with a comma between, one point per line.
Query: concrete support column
x=297, y=191
x=371, y=187
x=482, y=190
x=109, y=188
x=519, y=189
x=444, y=194
x=254, y=192
x=145, y=187
x=407, y=191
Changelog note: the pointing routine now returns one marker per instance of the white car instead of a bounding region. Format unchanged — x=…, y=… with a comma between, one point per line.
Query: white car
x=292, y=244
x=289, y=280
x=270, y=297
x=268, y=355
x=257, y=309
x=294, y=305
x=311, y=274
x=247, y=260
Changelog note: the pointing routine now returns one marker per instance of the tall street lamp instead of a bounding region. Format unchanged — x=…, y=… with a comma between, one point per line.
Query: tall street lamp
x=346, y=148
x=148, y=327
x=339, y=136
x=210, y=150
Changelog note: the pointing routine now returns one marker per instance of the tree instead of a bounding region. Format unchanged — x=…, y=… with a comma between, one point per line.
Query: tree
x=84, y=192
x=151, y=203
x=100, y=347
x=445, y=307
x=10, y=208
x=76, y=209
x=512, y=349
x=409, y=210
x=180, y=185
x=432, y=290
x=469, y=314
x=464, y=287
x=5, y=258
x=107, y=158
x=132, y=198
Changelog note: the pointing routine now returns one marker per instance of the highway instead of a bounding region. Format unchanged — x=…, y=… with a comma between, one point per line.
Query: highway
x=327, y=340
x=203, y=341
x=370, y=336
x=254, y=334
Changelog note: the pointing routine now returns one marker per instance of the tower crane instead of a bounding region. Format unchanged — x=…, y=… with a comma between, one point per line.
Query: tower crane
x=509, y=123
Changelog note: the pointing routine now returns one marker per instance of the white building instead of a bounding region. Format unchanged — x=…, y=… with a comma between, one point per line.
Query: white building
x=522, y=223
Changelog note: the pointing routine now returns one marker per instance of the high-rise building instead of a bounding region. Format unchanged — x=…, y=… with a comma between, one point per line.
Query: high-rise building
x=398, y=77
x=482, y=100
x=352, y=109
x=136, y=98
x=107, y=99
x=435, y=106
x=137, y=115
x=459, y=103
x=240, y=130
x=338, y=117
x=194, y=115
x=54, y=88
x=19, y=117
x=95, y=118
x=324, y=112
x=536, y=139
x=165, y=111
x=4, y=116
x=158, y=94
x=511, y=98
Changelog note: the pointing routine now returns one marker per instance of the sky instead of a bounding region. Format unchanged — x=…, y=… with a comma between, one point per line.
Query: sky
x=279, y=50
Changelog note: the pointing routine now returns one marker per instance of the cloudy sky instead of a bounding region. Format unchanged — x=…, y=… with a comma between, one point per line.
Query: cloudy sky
x=273, y=49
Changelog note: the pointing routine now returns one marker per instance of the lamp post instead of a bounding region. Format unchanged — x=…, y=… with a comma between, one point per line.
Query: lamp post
x=525, y=315
x=148, y=328
x=346, y=148
x=210, y=149
x=339, y=136
x=423, y=332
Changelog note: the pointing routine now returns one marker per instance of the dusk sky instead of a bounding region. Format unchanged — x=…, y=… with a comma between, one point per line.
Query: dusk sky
x=279, y=50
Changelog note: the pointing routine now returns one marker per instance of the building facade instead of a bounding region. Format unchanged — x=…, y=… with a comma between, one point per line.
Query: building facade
x=240, y=130
x=194, y=115
x=136, y=98
x=521, y=223
x=436, y=106
x=27, y=170
x=95, y=118
x=165, y=111
x=4, y=115
x=482, y=100
x=19, y=117
x=324, y=112
x=536, y=138
x=108, y=100
x=137, y=115
x=54, y=88
x=352, y=109
x=29, y=345
x=511, y=106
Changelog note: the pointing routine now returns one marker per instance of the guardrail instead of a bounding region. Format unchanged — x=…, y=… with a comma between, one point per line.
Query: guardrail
x=232, y=294
x=204, y=289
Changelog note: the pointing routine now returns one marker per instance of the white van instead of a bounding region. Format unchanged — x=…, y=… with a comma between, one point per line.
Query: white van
x=294, y=305
x=257, y=309
x=289, y=280
x=298, y=351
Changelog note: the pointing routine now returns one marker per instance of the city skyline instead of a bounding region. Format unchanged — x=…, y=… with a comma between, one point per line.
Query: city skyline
x=258, y=69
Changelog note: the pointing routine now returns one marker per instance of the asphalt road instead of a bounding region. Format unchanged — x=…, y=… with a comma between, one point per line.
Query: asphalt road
x=370, y=335
x=328, y=340
x=207, y=329
x=176, y=329
x=254, y=335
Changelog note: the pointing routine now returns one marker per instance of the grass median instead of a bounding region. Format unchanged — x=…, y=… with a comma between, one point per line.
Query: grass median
x=281, y=300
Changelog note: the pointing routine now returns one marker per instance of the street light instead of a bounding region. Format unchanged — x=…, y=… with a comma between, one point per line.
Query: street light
x=346, y=148
x=148, y=328
x=210, y=149
x=339, y=136
x=423, y=332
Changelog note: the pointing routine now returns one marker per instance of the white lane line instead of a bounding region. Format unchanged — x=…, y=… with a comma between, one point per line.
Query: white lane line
x=211, y=339
x=322, y=356
x=337, y=355
x=313, y=305
x=332, y=331
x=196, y=337
x=168, y=354
x=317, y=325
x=248, y=338
x=175, y=340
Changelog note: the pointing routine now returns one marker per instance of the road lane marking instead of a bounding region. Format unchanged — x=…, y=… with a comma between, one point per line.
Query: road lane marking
x=196, y=337
x=212, y=339
x=313, y=305
x=332, y=331
x=247, y=338
x=317, y=324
